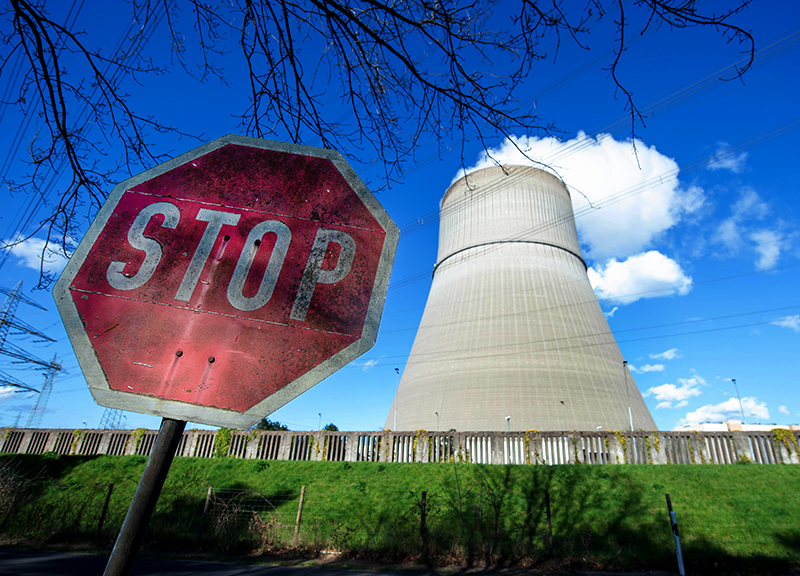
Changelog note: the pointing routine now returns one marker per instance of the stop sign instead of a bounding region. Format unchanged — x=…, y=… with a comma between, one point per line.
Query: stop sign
x=218, y=286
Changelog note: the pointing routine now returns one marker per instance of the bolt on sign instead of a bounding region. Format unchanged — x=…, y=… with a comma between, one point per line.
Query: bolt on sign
x=220, y=285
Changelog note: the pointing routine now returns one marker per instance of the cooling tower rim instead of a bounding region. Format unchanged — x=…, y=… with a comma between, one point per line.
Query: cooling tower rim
x=503, y=242
x=506, y=170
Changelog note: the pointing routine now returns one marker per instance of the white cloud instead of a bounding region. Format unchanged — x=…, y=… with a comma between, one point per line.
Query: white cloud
x=666, y=394
x=791, y=322
x=646, y=368
x=637, y=196
x=7, y=392
x=728, y=410
x=32, y=252
x=670, y=354
x=783, y=410
x=726, y=159
x=646, y=275
x=768, y=246
x=728, y=234
x=366, y=365
x=737, y=234
x=749, y=206
x=611, y=312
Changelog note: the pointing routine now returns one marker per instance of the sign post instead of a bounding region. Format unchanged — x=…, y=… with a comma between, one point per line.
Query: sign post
x=220, y=285
x=145, y=498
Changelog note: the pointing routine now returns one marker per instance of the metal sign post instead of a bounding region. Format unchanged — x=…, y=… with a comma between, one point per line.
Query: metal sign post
x=145, y=499
x=674, y=522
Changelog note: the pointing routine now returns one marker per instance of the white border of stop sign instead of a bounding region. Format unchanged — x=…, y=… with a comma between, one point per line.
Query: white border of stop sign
x=104, y=395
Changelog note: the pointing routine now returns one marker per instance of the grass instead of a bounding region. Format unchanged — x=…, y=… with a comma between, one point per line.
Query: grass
x=739, y=518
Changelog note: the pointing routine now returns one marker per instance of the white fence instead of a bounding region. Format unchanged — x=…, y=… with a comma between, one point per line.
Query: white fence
x=531, y=447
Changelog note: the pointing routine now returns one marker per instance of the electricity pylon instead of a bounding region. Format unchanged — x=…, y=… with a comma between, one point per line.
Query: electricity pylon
x=19, y=385
x=112, y=419
x=35, y=418
x=10, y=325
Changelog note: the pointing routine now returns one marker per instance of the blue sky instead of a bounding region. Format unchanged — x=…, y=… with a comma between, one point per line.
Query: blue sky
x=691, y=236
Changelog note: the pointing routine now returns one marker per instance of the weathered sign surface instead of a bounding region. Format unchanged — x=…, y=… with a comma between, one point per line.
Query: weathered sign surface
x=218, y=286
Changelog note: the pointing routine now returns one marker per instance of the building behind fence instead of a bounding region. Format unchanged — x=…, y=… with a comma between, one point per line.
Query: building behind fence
x=531, y=447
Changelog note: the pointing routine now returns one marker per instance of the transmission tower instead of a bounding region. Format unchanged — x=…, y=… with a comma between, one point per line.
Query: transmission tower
x=38, y=410
x=112, y=419
x=10, y=325
x=16, y=383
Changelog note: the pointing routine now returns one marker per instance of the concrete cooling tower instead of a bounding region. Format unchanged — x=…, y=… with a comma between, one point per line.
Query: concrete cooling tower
x=512, y=337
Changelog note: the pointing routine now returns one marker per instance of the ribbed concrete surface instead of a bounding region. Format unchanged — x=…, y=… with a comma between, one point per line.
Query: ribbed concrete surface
x=512, y=326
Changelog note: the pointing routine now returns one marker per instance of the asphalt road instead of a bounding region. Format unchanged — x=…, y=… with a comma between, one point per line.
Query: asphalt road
x=45, y=563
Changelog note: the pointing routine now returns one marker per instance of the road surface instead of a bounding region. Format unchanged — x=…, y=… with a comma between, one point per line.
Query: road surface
x=19, y=562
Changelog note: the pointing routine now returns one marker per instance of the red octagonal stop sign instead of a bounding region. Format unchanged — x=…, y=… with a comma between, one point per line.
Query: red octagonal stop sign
x=218, y=286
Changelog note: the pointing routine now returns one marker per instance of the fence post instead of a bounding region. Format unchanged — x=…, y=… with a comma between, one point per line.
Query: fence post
x=616, y=452
x=205, y=512
x=25, y=443
x=421, y=448
x=190, y=448
x=285, y=447
x=351, y=447
x=572, y=448
x=741, y=443
x=50, y=443
x=783, y=447
x=497, y=456
x=658, y=452
x=251, y=448
x=299, y=515
x=105, y=442
x=105, y=510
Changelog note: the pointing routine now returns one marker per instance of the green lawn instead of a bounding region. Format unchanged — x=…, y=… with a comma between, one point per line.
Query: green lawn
x=731, y=518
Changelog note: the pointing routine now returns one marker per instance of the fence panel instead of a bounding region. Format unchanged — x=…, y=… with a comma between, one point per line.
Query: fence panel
x=549, y=448
x=204, y=447
x=269, y=446
x=335, y=447
x=90, y=443
x=763, y=448
x=13, y=441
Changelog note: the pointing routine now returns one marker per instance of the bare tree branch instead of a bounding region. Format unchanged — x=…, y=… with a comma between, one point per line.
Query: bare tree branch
x=403, y=71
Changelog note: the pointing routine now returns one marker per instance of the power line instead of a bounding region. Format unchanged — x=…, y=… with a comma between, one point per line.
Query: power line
x=568, y=343
x=614, y=198
x=781, y=44
x=25, y=215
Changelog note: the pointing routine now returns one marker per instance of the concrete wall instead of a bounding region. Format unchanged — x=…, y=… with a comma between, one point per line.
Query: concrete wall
x=531, y=447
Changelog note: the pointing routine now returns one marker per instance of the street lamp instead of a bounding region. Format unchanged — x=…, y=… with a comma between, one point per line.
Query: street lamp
x=396, y=397
x=564, y=406
x=437, y=421
x=319, y=425
x=508, y=423
x=627, y=392
x=741, y=409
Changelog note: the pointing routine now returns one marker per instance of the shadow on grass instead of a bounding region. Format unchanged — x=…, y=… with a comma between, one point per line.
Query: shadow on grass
x=603, y=518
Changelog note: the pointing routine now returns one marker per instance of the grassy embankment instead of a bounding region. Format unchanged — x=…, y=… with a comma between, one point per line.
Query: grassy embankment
x=732, y=518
